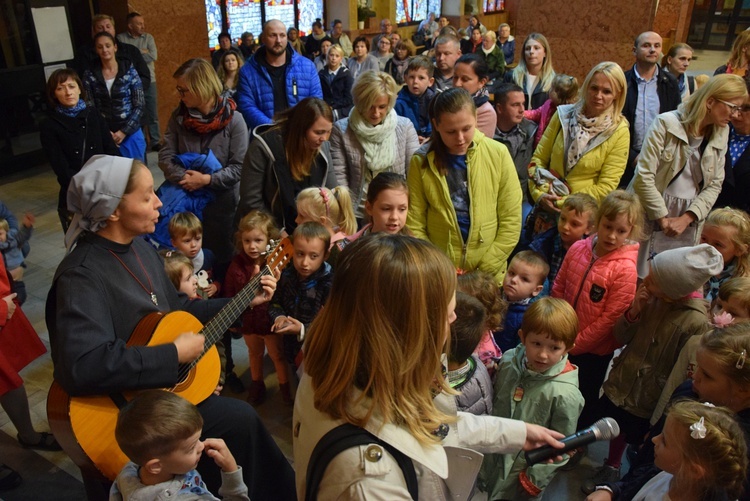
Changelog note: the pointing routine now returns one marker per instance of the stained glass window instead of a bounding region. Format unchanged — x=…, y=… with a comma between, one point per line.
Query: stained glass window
x=248, y=15
x=493, y=6
x=408, y=11
x=309, y=11
x=213, y=22
x=244, y=15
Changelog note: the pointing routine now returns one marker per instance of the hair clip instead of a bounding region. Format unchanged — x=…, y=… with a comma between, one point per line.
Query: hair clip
x=708, y=404
x=741, y=361
x=326, y=199
x=698, y=429
x=169, y=254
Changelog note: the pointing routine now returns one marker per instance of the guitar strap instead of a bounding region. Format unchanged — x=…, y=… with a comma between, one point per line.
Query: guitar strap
x=118, y=399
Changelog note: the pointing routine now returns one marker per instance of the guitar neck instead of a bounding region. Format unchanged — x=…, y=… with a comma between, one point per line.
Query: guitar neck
x=214, y=330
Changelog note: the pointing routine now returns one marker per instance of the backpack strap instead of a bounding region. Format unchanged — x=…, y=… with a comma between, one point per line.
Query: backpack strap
x=345, y=437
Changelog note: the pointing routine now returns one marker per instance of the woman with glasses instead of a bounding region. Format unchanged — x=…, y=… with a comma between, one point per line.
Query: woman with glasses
x=203, y=121
x=681, y=166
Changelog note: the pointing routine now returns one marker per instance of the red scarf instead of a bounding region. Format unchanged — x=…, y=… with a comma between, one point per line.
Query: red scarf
x=214, y=121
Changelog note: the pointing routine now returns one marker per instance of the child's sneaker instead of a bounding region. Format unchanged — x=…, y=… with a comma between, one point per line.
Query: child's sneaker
x=257, y=392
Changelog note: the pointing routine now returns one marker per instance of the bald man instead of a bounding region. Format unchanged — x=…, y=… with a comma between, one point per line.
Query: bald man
x=275, y=78
x=650, y=92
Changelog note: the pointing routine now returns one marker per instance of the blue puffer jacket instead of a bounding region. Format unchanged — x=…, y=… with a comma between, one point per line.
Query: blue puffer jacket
x=507, y=338
x=255, y=89
x=407, y=105
x=176, y=199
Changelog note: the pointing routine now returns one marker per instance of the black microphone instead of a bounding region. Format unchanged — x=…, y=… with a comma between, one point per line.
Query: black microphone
x=604, y=429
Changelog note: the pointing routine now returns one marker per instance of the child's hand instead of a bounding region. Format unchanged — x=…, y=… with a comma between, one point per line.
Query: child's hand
x=28, y=220
x=600, y=495
x=11, y=305
x=217, y=390
x=287, y=325
x=422, y=139
x=211, y=290
x=216, y=449
x=642, y=295
x=268, y=282
x=547, y=203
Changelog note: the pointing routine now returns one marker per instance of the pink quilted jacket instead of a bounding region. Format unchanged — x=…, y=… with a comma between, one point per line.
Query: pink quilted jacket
x=600, y=291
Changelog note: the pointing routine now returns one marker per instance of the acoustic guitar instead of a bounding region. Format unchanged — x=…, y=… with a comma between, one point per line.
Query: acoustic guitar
x=85, y=426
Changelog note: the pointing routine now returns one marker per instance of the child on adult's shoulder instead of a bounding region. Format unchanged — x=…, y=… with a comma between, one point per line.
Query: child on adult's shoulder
x=535, y=383
x=11, y=242
x=732, y=306
x=728, y=230
x=598, y=278
x=414, y=98
x=254, y=233
x=482, y=286
x=577, y=220
x=563, y=90
x=331, y=208
x=186, y=233
x=700, y=454
x=466, y=373
x=160, y=433
x=523, y=282
x=668, y=309
x=302, y=289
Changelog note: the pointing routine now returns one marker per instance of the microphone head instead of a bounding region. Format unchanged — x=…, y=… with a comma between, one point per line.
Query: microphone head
x=606, y=429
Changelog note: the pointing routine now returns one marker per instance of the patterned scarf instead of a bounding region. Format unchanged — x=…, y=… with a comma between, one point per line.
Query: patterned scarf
x=71, y=112
x=481, y=96
x=219, y=117
x=379, y=142
x=582, y=131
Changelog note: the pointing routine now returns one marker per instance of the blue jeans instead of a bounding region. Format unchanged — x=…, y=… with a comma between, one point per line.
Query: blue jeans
x=152, y=116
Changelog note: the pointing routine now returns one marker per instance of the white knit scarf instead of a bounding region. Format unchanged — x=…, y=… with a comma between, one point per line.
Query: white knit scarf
x=379, y=142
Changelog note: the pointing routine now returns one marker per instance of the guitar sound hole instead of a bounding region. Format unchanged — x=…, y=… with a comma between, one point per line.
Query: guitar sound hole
x=186, y=374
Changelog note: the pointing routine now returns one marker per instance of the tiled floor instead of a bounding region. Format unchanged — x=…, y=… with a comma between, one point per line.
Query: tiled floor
x=36, y=191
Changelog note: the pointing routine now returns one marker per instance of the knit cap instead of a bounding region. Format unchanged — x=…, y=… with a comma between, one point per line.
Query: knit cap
x=678, y=272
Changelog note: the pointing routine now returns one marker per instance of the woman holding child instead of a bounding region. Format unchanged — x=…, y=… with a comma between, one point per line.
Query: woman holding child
x=680, y=170
x=360, y=369
x=372, y=139
x=585, y=146
x=107, y=283
x=205, y=121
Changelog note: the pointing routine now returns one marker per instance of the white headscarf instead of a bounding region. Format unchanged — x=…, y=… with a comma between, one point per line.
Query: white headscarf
x=94, y=194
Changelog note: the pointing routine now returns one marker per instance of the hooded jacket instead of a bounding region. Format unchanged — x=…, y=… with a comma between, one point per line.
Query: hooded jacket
x=266, y=182
x=550, y=399
x=653, y=344
x=600, y=289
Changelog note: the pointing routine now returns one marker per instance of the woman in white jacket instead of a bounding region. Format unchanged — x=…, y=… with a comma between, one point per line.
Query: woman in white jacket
x=680, y=169
x=373, y=360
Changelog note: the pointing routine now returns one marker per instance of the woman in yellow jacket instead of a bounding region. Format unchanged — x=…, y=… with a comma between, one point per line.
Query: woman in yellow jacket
x=585, y=145
x=465, y=196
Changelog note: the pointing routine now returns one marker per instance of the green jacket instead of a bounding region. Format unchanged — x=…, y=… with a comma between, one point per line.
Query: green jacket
x=653, y=343
x=495, y=207
x=599, y=169
x=551, y=399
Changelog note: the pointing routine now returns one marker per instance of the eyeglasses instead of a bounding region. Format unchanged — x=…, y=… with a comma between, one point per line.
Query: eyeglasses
x=733, y=108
